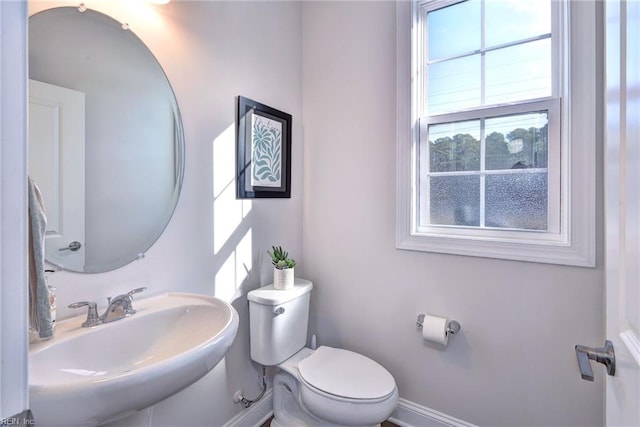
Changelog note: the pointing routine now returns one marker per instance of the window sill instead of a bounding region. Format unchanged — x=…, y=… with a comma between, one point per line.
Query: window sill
x=582, y=255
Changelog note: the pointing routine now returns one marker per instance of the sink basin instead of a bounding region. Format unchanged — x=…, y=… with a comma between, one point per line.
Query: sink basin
x=89, y=376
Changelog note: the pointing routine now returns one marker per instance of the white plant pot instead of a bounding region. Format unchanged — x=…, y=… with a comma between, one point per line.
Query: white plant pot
x=283, y=279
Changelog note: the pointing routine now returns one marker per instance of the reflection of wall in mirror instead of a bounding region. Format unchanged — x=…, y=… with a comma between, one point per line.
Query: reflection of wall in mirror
x=129, y=129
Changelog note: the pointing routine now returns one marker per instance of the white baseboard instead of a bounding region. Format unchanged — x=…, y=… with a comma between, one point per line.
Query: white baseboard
x=410, y=414
x=407, y=414
x=256, y=414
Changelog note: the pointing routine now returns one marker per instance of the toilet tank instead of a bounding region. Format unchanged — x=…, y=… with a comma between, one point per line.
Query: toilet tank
x=278, y=321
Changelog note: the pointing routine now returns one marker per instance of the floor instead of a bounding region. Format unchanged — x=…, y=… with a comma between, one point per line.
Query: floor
x=384, y=424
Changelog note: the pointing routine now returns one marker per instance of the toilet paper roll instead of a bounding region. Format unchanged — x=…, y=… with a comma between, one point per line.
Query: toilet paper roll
x=434, y=329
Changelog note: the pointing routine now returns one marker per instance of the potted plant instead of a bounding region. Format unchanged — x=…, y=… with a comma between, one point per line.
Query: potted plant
x=282, y=268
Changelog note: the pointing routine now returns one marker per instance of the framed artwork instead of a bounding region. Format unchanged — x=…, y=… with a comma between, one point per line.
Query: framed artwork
x=263, y=151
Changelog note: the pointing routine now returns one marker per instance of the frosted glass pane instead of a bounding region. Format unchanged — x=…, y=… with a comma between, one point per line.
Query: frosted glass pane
x=517, y=142
x=455, y=200
x=454, y=84
x=516, y=201
x=509, y=21
x=454, y=146
x=519, y=72
x=454, y=30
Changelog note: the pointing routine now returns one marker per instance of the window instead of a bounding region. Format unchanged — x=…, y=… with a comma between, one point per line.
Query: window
x=496, y=154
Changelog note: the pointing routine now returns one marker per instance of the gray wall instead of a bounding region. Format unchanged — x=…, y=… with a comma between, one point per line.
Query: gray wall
x=514, y=362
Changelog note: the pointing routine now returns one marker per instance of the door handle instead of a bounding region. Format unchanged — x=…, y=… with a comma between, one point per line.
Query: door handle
x=604, y=355
x=73, y=246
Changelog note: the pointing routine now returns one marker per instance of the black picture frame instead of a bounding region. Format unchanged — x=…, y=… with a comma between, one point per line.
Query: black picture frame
x=263, y=151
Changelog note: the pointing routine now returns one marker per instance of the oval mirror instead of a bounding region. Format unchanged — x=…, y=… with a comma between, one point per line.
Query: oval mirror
x=105, y=139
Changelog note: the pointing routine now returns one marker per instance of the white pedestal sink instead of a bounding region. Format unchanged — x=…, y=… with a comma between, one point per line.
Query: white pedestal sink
x=89, y=376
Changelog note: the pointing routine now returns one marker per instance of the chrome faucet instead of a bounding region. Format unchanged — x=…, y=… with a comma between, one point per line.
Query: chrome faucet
x=119, y=307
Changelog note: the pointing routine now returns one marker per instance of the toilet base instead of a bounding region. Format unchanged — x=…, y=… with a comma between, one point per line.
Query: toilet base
x=288, y=410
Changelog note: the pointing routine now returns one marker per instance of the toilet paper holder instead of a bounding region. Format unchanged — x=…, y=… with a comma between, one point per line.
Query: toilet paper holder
x=453, y=327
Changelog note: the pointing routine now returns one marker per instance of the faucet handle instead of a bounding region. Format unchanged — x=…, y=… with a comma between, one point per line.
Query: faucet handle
x=137, y=290
x=92, y=313
x=128, y=308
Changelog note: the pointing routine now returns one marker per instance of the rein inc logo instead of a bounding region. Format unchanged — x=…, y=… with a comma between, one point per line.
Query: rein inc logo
x=23, y=419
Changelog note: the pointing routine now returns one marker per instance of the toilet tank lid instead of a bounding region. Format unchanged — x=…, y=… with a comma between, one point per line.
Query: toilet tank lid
x=268, y=295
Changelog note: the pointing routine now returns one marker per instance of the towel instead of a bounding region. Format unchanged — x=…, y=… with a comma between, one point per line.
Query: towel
x=39, y=303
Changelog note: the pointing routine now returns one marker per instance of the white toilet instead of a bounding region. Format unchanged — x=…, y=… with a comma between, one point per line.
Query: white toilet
x=323, y=387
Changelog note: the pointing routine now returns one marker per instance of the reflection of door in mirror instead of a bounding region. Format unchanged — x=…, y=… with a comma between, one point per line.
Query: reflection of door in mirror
x=56, y=164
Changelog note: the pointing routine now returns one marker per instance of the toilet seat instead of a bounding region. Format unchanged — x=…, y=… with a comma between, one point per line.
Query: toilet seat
x=346, y=375
x=339, y=372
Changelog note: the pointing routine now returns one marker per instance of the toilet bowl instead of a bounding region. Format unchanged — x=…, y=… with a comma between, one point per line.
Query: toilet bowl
x=322, y=387
x=339, y=387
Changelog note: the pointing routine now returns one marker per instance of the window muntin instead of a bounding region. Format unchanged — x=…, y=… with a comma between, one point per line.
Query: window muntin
x=489, y=118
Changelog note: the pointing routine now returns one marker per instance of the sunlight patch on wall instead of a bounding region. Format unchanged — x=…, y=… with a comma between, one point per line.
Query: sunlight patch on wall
x=234, y=271
x=224, y=161
x=227, y=216
x=228, y=212
x=244, y=258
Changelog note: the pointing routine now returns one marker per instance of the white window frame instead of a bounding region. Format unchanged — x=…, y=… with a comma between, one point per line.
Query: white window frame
x=571, y=239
